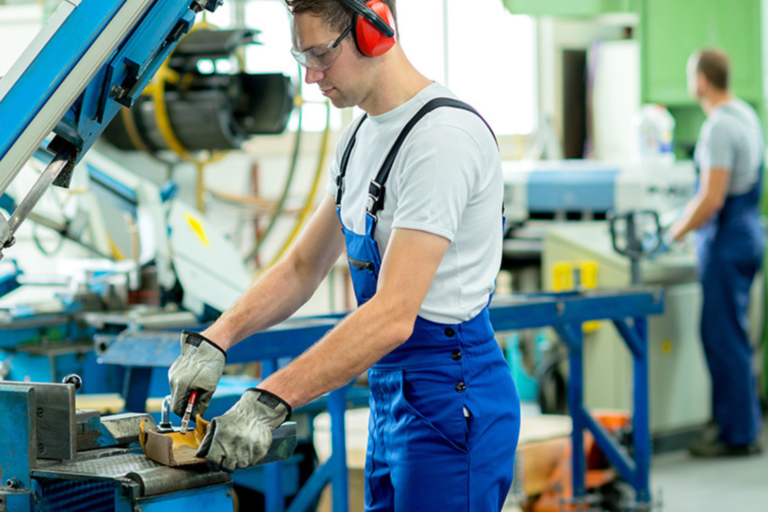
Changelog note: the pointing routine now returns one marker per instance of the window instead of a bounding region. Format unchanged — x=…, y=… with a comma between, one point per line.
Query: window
x=478, y=49
x=491, y=63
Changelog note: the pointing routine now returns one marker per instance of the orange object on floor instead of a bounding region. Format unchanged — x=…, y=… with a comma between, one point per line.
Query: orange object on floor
x=560, y=489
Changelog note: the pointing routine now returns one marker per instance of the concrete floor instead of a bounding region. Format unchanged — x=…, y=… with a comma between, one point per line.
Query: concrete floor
x=687, y=484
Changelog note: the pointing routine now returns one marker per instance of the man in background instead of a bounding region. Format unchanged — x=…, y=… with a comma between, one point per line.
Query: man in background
x=729, y=240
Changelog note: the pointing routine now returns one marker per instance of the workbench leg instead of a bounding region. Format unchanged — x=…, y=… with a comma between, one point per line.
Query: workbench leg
x=337, y=407
x=575, y=405
x=641, y=435
x=274, y=499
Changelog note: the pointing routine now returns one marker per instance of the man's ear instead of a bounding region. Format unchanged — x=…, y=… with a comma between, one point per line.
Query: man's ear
x=702, y=83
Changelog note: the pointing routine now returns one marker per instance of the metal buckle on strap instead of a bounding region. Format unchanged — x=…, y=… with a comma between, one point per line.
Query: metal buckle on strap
x=375, y=197
x=339, y=184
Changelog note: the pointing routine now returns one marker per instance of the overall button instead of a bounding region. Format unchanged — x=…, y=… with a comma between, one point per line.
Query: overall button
x=460, y=387
x=450, y=332
x=456, y=355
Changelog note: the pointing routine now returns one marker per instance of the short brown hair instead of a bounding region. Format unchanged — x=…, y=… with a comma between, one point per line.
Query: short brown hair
x=715, y=65
x=337, y=15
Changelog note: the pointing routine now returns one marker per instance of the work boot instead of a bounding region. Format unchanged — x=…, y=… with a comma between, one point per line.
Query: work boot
x=717, y=448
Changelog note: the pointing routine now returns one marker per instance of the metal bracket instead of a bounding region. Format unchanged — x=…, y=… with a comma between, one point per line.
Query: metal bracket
x=210, y=5
x=54, y=420
x=62, y=163
x=6, y=235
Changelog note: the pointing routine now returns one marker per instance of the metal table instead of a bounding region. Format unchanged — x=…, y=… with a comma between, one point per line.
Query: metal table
x=565, y=312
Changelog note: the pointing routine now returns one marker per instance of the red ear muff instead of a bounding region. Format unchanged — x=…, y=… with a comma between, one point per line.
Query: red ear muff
x=370, y=40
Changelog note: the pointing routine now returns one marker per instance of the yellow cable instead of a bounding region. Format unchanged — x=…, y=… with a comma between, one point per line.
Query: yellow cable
x=156, y=89
x=308, y=207
x=116, y=252
x=132, y=130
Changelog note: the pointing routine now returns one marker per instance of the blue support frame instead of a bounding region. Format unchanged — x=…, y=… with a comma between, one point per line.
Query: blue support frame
x=565, y=312
x=131, y=66
x=18, y=451
x=51, y=65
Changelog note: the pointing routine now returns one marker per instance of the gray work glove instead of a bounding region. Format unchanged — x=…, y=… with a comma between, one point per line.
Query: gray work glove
x=241, y=437
x=199, y=367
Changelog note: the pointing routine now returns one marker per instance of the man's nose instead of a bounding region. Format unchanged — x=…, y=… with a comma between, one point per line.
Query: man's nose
x=312, y=76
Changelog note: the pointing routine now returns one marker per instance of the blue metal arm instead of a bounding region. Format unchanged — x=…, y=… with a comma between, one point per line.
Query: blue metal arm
x=90, y=59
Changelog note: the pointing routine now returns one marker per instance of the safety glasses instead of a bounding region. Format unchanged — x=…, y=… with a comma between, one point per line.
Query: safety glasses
x=321, y=57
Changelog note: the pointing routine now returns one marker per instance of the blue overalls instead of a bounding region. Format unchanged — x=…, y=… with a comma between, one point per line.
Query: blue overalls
x=425, y=453
x=730, y=250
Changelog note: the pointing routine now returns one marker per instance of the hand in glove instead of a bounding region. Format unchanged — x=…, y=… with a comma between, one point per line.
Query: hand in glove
x=666, y=245
x=198, y=368
x=241, y=437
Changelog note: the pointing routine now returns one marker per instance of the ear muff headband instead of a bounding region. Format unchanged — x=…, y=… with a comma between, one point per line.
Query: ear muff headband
x=370, y=15
x=373, y=23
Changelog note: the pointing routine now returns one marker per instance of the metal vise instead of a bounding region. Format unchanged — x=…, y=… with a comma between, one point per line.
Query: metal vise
x=55, y=457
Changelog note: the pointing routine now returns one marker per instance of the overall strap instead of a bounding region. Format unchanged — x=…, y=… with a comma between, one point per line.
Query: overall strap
x=377, y=186
x=345, y=161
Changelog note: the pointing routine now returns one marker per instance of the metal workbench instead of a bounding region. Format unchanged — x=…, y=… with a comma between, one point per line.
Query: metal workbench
x=565, y=312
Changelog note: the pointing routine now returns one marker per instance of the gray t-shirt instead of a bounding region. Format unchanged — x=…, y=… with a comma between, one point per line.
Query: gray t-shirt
x=732, y=139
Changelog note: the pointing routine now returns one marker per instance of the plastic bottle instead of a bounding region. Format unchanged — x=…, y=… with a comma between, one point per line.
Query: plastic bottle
x=654, y=135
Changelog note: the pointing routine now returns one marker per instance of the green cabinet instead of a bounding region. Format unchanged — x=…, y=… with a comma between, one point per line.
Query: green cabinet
x=569, y=8
x=670, y=30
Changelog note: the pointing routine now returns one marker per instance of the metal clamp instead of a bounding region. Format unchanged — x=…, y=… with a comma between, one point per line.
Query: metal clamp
x=62, y=163
x=6, y=235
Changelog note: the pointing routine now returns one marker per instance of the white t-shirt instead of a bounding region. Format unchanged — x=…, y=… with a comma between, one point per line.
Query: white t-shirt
x=446, y=180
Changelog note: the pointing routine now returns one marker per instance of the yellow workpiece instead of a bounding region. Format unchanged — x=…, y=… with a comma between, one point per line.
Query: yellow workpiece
x=174, y=448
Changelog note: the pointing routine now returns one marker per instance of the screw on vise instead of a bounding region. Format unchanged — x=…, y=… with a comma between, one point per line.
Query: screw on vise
x=74, y=380
x=13, y=483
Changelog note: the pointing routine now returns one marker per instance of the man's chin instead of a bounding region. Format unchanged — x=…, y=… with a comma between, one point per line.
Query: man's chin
x=341, y=102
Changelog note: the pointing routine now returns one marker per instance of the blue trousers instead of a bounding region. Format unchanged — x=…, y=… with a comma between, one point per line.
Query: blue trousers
x=726, y=282
x=425, y=453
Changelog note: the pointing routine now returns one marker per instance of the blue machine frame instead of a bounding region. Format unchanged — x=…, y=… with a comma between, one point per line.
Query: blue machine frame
x=565, y=312
x=91, y=58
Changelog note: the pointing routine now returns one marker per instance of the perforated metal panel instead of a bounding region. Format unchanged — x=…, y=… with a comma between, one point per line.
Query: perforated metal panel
x=77, y=496
x=105, y=467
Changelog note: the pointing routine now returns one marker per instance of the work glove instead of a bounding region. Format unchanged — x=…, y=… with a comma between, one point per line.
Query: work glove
x=198, y=368
x=241, y=437
x=666, y=245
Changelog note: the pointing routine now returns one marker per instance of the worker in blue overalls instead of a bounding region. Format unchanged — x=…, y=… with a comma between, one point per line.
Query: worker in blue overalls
x=415, y=197
x=730, y=239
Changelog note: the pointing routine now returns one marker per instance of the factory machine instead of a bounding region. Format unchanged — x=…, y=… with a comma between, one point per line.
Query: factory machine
x=172, y=279
x=171, y=256
x=539, y=195
x=90, y=60
x=559, y=214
